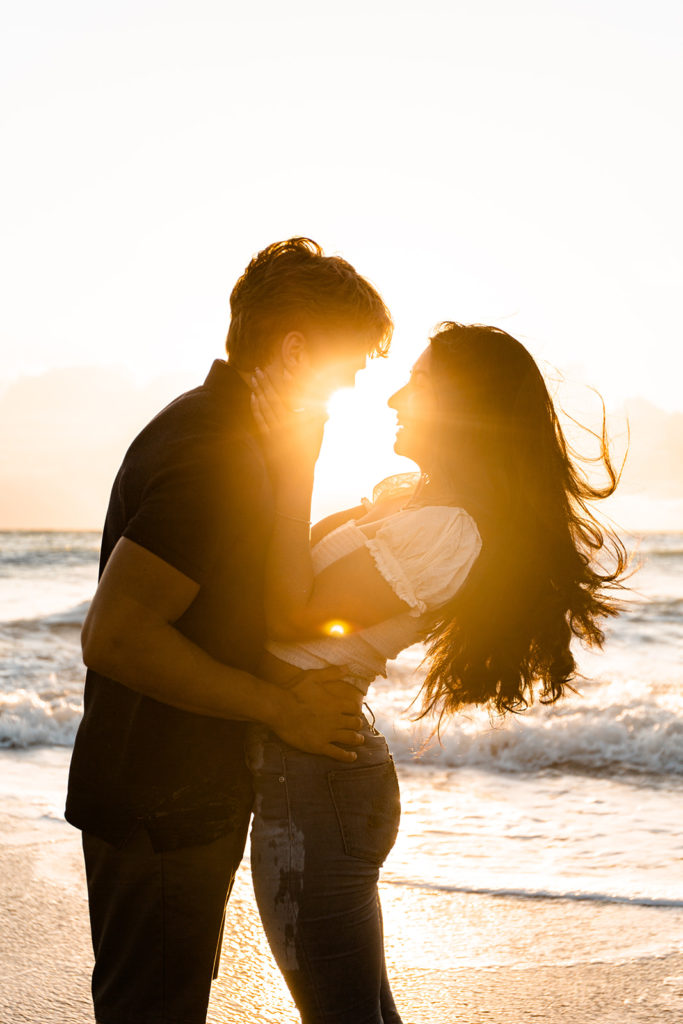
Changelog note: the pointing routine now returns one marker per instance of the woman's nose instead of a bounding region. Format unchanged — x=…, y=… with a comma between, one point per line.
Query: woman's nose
x=395, y=398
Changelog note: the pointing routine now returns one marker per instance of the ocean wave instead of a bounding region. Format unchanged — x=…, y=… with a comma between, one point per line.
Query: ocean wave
x=74, y=616
x=617, y=726
x=537, y=894
x=46, y=559
x=10, y=562
x=670, y=552
x=662, y=545
x=654, y=610
x=30, y=719
x=648, y=540
x=641, y=736
x=69, y=617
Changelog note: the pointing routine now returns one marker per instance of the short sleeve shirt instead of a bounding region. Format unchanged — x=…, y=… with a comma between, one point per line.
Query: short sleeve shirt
x=425, y=555
x=194, y=490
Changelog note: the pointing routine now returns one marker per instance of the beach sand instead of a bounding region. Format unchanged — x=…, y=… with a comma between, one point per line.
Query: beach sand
x=453, y=958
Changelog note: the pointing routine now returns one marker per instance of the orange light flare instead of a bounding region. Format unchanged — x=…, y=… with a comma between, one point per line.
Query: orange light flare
x=336, y=628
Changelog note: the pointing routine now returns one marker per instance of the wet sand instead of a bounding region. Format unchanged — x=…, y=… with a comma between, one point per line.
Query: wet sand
x=453, y=958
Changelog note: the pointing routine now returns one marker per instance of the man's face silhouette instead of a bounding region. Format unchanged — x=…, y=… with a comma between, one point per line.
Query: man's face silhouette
x=320, y=362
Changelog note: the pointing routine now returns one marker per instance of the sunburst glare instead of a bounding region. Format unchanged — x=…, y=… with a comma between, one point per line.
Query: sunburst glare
x=336, y=628
x=359, y=439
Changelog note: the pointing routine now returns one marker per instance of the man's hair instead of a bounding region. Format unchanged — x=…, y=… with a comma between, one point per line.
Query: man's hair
x=292, y=286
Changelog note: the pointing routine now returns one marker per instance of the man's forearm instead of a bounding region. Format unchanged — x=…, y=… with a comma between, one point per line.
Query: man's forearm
x=159, y=662
x=155, y=659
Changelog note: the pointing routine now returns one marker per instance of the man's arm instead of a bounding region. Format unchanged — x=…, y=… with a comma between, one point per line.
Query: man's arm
x=129, y=636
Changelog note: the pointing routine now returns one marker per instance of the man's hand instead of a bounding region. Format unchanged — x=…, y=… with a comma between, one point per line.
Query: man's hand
x=321, y=710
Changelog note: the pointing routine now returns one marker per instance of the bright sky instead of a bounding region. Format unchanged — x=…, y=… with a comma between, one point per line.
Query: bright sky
x=517, y=164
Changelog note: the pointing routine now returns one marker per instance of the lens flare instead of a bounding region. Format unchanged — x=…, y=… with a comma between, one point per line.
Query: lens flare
x=336, y=628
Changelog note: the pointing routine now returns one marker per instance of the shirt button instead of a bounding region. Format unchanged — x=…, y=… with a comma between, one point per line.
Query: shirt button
x=281, y=779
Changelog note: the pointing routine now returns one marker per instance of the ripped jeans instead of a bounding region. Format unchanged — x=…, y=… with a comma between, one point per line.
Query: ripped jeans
x=320, y=833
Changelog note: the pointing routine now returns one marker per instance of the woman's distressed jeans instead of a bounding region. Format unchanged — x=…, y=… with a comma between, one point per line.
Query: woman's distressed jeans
x=320, y=834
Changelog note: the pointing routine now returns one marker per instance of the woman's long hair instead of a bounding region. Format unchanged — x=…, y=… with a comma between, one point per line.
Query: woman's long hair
x=548, y=569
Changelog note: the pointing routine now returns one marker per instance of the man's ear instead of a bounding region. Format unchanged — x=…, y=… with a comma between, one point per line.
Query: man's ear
x=294, y=352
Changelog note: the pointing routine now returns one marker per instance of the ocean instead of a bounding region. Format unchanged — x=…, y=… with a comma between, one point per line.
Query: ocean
x=580, y=801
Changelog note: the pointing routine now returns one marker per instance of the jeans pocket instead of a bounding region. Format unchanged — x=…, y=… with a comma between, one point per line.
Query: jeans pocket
x=368, y=807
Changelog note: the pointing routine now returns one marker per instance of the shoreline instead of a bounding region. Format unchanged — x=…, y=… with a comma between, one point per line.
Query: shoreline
x=453, y=958
x=46, y=959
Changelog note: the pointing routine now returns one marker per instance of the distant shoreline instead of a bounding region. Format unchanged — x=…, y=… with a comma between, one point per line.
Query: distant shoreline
x=639, y=531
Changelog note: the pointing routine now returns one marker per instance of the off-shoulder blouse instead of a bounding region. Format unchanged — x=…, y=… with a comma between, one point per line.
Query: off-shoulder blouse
x=424, y=553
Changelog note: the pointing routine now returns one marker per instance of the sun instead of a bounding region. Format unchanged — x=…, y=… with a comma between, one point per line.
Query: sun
x=359, y=438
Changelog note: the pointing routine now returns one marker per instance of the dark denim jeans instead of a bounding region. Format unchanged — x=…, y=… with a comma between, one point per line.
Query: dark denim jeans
x=320, y=833
x=156, y=922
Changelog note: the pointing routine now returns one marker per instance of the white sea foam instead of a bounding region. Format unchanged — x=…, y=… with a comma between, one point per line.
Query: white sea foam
x=27, y=718
x=614, y=728
x=625, y=725
x=540, y=894
x=69, y=617
x=597, y=734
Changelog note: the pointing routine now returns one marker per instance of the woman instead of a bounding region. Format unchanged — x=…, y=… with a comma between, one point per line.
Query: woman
x=491, y=558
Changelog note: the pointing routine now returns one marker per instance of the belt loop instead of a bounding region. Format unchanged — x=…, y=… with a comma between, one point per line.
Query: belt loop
x=372, y=715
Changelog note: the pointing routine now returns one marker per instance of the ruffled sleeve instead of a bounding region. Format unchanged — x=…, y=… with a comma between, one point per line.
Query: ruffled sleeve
x=425, y=554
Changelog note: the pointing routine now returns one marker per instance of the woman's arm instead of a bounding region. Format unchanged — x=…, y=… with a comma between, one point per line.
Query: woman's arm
x=351, y=591
x=330, y=523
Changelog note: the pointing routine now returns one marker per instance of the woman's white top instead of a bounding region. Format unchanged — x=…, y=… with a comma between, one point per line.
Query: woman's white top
x=424, y=554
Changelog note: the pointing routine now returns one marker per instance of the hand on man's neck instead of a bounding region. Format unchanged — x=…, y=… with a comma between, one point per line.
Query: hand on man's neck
x=274, y=368
x=286, y=383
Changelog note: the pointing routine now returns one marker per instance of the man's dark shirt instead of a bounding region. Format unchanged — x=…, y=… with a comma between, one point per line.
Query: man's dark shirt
x=193, y=489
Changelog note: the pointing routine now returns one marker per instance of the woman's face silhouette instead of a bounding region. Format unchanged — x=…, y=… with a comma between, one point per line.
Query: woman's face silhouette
x=416, y=409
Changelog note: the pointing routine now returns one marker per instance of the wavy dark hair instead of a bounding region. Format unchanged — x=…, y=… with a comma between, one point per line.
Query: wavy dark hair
x=291, y=285
x=548, y=569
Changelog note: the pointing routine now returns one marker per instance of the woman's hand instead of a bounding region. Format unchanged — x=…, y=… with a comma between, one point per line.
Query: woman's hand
x=293, y=436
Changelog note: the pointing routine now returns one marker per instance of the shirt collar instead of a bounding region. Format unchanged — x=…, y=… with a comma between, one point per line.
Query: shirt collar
x=223, y=377
x=226, y=382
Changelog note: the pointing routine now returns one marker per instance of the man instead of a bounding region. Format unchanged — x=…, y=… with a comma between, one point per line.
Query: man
x=173, y=638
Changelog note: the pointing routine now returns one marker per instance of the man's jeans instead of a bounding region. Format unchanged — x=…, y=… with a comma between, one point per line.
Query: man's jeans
x=156, y=921
x=321, y=831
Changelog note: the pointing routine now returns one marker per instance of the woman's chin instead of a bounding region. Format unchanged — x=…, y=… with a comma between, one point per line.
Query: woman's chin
x=401, y=448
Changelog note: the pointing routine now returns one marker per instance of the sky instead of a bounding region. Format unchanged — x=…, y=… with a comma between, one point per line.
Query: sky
x=518, y=165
